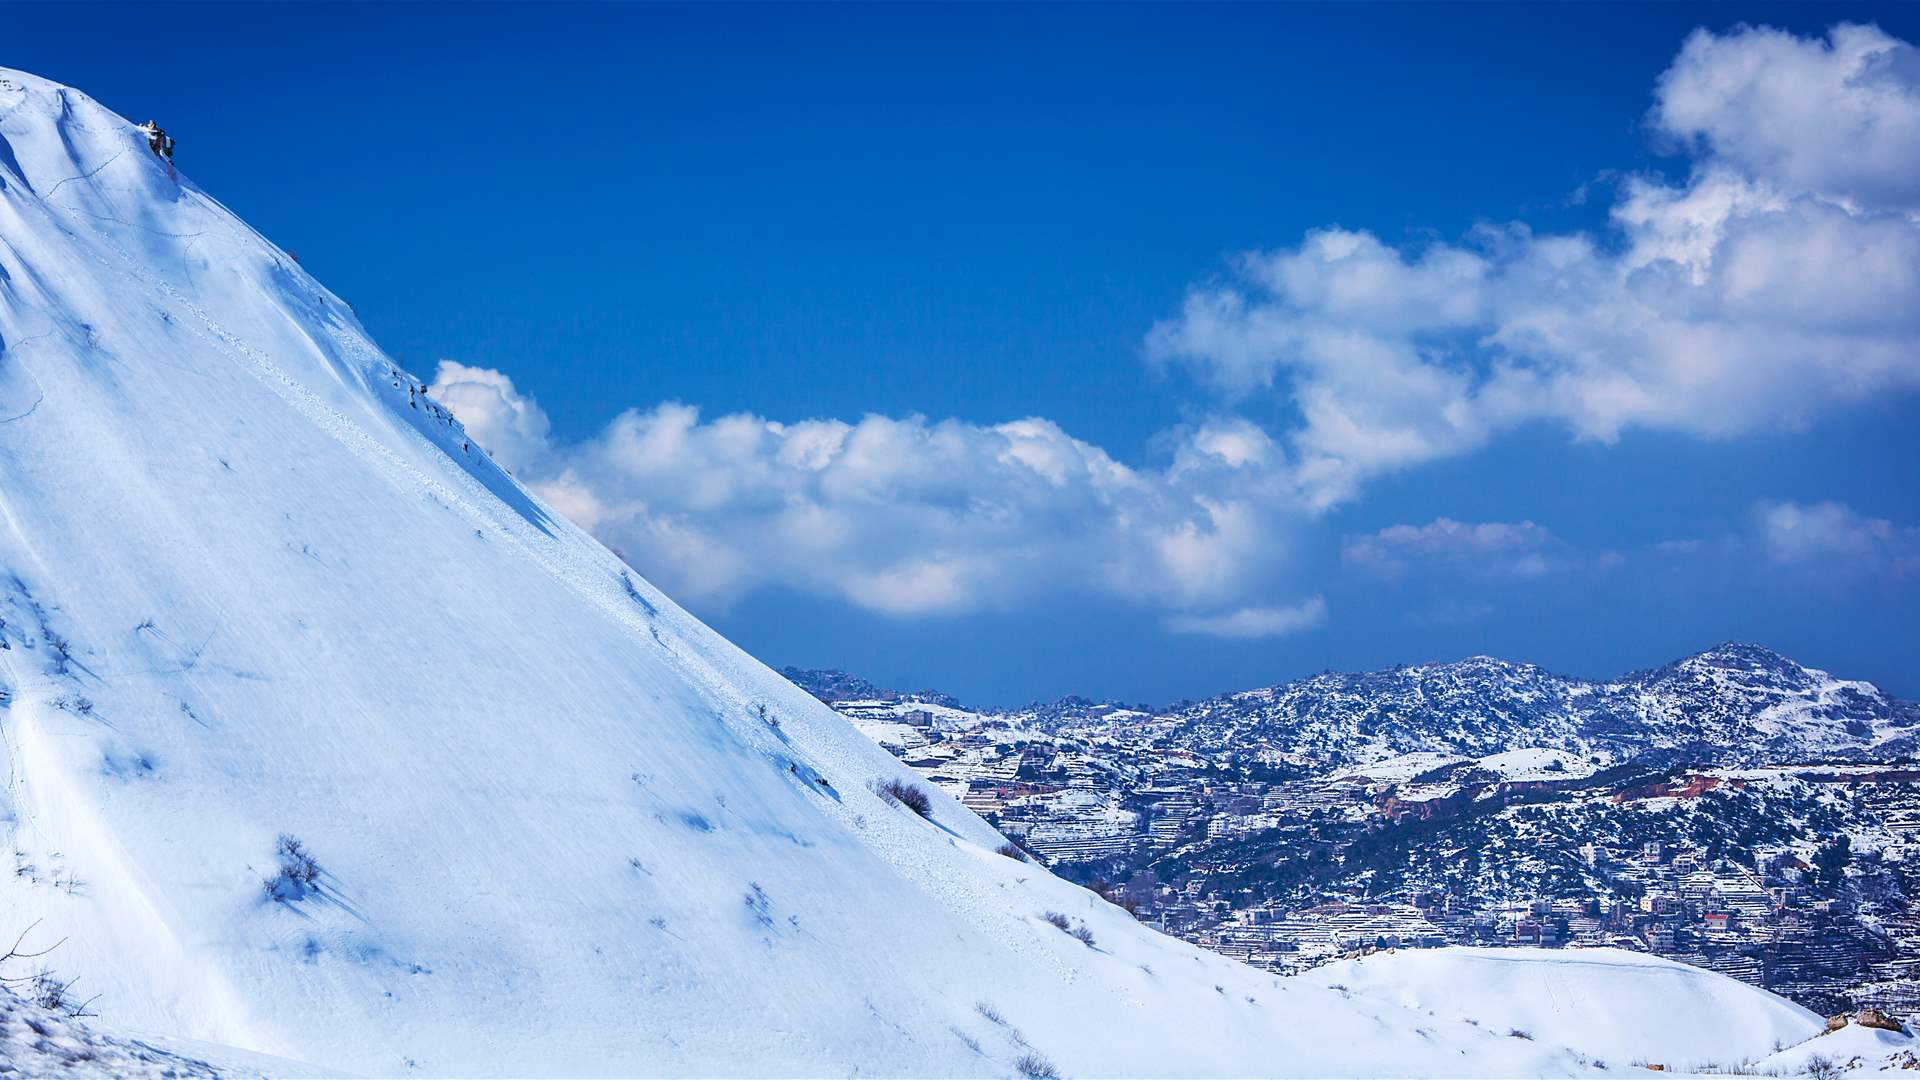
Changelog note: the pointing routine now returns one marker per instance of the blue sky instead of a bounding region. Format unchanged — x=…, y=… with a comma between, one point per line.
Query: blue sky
x=979, y=215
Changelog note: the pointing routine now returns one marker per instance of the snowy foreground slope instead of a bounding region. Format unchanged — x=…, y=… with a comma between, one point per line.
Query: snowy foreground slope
x=38, y=1041
x=1614, y=1007
x=253, y=583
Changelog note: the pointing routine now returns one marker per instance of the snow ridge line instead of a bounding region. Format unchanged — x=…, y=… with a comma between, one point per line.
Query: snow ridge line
x=324, y=416
x=398, y=471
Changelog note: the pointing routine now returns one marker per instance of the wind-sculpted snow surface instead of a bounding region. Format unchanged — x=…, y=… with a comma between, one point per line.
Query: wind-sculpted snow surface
x=323, y=739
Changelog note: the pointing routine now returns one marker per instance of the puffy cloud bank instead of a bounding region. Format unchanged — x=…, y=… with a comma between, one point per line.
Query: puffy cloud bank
x=1794, y=543
x=901, y=516
x=1492, y=550
x=1837, y=539
x=1841, y=117
x=1779, y=281
x=1254, y=622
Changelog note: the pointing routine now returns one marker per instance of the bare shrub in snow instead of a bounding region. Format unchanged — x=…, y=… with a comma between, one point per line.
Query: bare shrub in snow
x=14, y=953
x=62, y=653
x=55, y=994
x=1035, y=1067
x=42, y=987
x=1056, y=920
x=1083, y=935
x=1013, y=851
x=298, y=873
x=911, y=796
x=758, y=904
x=1520, y=1033
x=1822, y=1068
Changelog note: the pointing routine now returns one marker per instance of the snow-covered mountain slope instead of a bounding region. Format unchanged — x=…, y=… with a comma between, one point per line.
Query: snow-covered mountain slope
x=1730, y=705
x=1613, y=1007
x=254, y=584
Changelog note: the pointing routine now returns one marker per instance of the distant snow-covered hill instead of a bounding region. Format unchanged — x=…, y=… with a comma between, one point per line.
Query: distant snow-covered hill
x=1732, y=704
x=323, y=739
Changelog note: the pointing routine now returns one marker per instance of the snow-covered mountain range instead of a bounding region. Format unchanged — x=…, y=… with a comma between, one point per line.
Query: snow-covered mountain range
x=323, y=739
x=1732, y=704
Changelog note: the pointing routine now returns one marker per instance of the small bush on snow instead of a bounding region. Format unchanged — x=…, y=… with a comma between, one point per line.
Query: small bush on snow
x=1013, y=851
x=908, y=795
x=298, y=873
x=56, y=995
x=1035, y=1067
x=1065, y=925
x=41, y=986
x=1823, y=1068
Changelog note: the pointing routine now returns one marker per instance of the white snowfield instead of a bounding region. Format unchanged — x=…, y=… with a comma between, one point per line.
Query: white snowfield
x=1525, y=764
x=1614, y=1007
x=253, y=583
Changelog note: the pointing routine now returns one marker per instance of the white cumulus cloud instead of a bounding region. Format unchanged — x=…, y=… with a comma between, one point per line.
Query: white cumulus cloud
x=1780, y=281
x=1835, y=538
x=1840, y=116
x=904, y=516
x=1254, y=622
x=1486, y=549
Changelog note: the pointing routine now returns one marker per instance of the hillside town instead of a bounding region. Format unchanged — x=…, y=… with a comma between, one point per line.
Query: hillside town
x=1800, y=877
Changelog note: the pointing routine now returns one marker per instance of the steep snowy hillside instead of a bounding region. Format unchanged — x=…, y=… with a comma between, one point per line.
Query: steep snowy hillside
x=536, y=819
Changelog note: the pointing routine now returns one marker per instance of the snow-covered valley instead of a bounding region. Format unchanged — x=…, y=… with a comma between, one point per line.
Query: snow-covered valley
x=322, y=739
